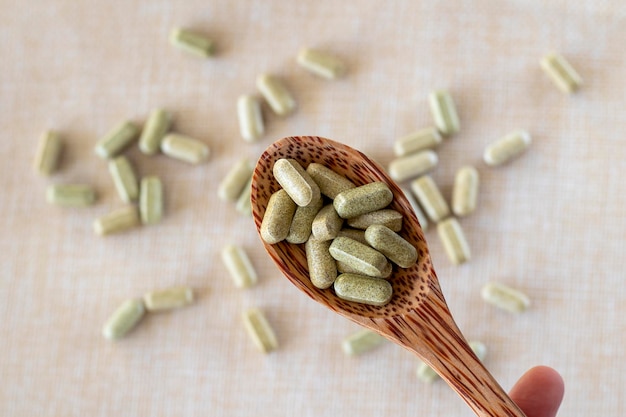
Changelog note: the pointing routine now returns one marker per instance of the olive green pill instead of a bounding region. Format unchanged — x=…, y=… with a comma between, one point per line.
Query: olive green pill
x=124, y=319
x=277, y=219
x=117, y=221
x=356, y=234
x=124, y=179
x=387, y=217
x=364, y=199
x=329, y=182
x=361, y=342
x=363, y=289
x=153, y=132
x=48, y=153
x=151, y=200
x=392, y=245
x=326, y=224
x=71, y=195
x=302, y=223
x=322, y=267
x=191, y=42
x=359, y=256
x=344, y=268
x=296, y=182
x=117, y=139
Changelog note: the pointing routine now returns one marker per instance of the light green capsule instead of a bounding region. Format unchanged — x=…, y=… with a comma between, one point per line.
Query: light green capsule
x=233, y=183
x=277, y=219
x=509, y=147
x=465, y=191
x=322, y=267
x=359, y=256
x=276, y=94
x=414, y=165
x=430, y=198
x=302, y=223
x=419, y=213
x=444, y=112
x=387, y=217
x=192, y=42
x=361, y=342
x=356, y=234
x=562, y=74
x=321, y=64
x=344, y=268
x=454, y=241
x=124, y=179
x=296, y=182
x=329, y=182
x=48, y=153
x=117, y=221
x=239, y=266
x=117, y=139
x=151, y=200
x=421, y=140
x=251, y=126
x=71, y=195
x=505, y=297
x=392, y=245
x=124, y=319
x=260, y=330
x=168, y=299
x=154, y=131
x=244, y=205
x=364, y=199
x=326, y=224
x=184, y=148
x=363, y=289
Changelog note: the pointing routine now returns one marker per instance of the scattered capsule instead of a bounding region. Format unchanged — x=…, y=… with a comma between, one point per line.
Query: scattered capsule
x=71, y=195
x=364, y=199
x=124, y=319
x=276, y=94
x=244, y=205
x=184, y=148
x=411, y=166
x=465, y=191
x=296, y=182
x=277, y=219
x=361, y=342
x=124, y=179
x=321, y=63
x=117, y=139
x=117, y=221
x=453, y=240
x=239, y=266
x=168, y=299
x=330, y=183
x=151, y=200
x=359, y=256
x=259, y=330
x=562, y=74
x=48, y=153
x=302, y=223
x=322, y=267
x=363, y=289
x=154, y=131
x=430, y=198
x=507, y=148
x=505, y=297
x=421, y=140
x=444, y=112
x=191, y=42
x=421, y=217
x=234, y=182
x=251, y=126
x=326, y=224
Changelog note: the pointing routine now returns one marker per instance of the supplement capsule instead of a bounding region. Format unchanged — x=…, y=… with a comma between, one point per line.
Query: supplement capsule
x=302, y=223
x=244, y=205
x=117, y=221
x=296, y=182
x=153, y=132
x=364, y=199
x=392, y=245
x=48, y=153
x=276, y=94
x=344, y=268
x=361, y=342
x=505, y=297
x=387, y=217
x=321, y=63
x=444, y=112
x=363, y=289
x=168, y=299
x=421, y=217
x=239, y=266
x=465, y=191
x=562, y=74
x=250, y=118
x=507, y=148
x=151, y=200
x=191, y=42
x=234, y=182
x=322, y=267
x=124, y=319
x=358, y=235
x=454, y=241
x=117, y=139
x=430, y=198
x=326, y=224
x=184, y=148
x=124, y=179
x=277, y=219
x=359, y=256
x=259, y=330
x=330, y=183
x=407, y=167
x=71, y=195
x=418, y=141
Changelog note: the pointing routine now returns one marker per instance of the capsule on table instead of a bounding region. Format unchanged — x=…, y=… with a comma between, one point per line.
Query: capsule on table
x=260, y=330
x=168, y=299
x=244, y=205
x=363, y=289
x=321, y=63
x=117, y=221
x=48, y=153
x=276, y=94
x=392, y=245
x=361, y=342
x=251, y=126
x=277, y=219
x=124, y=319
x=430, y=198
x=507, y=148
x=505, y=297
x=302, y=223
x=387, y=217
x=421, y=217
x=421, y=140
x=117, y=139
x=154, y=131
x=444, y=112
x=191, y=42
x=453, y=240
x=322, y=267
x=232, y=185
x=364, y=199
x=296, y=182
x=71, y=195
x=359, y=256
x=330, y=183
x=239, y=266
x=326, y=224
x=562, y=74
x=411, y=166
x=151, y=200
x=465, y=191
x=124, y=179
x=184, y=148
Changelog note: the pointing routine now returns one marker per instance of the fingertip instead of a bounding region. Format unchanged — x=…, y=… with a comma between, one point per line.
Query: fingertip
x=539, y=392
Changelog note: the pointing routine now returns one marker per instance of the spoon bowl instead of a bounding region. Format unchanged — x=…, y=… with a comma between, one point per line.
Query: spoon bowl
x=417, y=317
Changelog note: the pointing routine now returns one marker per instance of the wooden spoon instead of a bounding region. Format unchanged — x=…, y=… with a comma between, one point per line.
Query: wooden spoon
x=417, y=317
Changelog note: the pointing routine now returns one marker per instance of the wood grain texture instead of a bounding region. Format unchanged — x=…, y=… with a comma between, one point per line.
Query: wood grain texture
x=417, y=317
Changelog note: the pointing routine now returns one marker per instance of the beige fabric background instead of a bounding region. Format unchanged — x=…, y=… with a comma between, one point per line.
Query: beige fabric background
x=552, y=223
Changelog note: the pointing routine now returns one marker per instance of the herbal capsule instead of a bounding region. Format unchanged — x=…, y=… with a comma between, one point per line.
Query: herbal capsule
x=430, y=198
x=233, y=183
x=184, y=148
x=454, y=241
x=277, y=219
x=153, y=132
x=191, y=42
x=244, y=205
x=358, y=235
x=250, y=118
x=364, y=199
x=428, y=374
x=276, y=94
x=421, y=217
x=363, y=289
x=387, y=217
x=71, y=195
x=302, y=223
x=326, y=224
x=562, y=74
x=322, y=267
x=321, y=63
x=507, y=148
x=361, y=342
x=359, y=256
x=239, y=266
x=505, y=297
x=344, y=268
x=117, y=221
x=392, y=245
x=259, y=330
x=48, y=153
x=151, y=200
x=444, y=112
x=168, y=299
x=124, y=179
x=296, y=182
x=329, y=182
x=124, y=319
x=418, y=141
x=412, y=166
x=117, y=139
x=465, y=191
